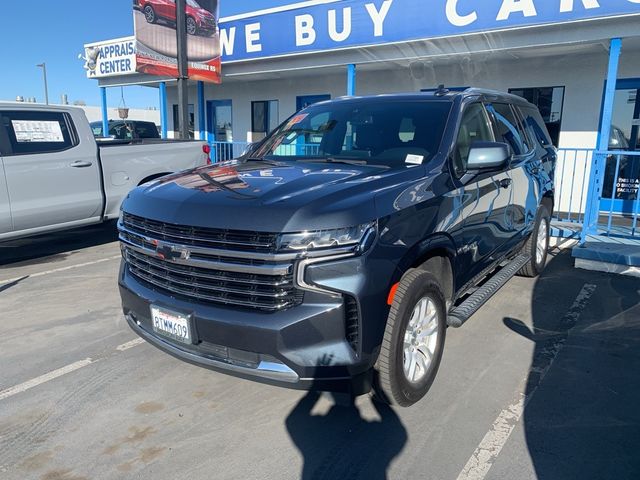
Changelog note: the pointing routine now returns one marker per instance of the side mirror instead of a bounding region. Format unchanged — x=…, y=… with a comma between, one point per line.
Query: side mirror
x=488, y=156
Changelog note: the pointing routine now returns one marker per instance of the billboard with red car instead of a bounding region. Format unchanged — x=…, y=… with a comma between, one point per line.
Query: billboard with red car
x=157, y=47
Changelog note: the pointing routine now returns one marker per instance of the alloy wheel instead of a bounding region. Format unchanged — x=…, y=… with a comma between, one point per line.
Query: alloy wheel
x=420, y=340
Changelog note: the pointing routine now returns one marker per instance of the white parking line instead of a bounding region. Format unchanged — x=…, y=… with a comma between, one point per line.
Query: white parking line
x=491, y=445
x=23, y=387
x=128, y=345
x=62, y=269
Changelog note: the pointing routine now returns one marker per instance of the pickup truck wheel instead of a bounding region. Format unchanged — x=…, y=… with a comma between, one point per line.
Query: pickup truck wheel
x=537, y=245
x=413, y=340
x=149, y=14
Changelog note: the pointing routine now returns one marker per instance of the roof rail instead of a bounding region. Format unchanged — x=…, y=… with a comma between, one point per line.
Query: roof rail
x=441, y=91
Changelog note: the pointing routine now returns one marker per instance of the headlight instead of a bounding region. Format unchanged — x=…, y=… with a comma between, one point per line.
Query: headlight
x=324, y=239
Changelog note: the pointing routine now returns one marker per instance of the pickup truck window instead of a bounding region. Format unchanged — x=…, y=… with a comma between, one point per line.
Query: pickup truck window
x=378, y=133
x=38, y=132
x=474, y=127
x=508, y=128
x=127, y=130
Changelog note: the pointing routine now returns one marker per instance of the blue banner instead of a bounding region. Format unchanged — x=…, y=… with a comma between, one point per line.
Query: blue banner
x=351, y=23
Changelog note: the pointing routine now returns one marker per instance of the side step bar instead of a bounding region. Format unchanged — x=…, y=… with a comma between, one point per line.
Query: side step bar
x=463, y=312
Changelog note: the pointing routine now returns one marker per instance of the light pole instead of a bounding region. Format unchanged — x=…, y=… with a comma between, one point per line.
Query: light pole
x=183, y=68
x=43, y=66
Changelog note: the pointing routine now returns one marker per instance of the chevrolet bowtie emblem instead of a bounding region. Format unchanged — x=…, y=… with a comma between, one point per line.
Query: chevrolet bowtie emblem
x=167, y=252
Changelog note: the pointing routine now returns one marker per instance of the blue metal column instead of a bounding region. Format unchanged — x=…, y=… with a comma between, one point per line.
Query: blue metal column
x=163, y=110
x=202, y=125
x=599, y=162
x=351, y=80
x=105, y=113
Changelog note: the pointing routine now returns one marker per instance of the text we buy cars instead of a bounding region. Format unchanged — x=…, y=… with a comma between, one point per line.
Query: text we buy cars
x=352, y=23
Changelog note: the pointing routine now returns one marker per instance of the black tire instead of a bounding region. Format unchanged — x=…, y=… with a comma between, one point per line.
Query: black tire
x=391, y=384
x=150, y=14
x=192, y=26
x=536, y=265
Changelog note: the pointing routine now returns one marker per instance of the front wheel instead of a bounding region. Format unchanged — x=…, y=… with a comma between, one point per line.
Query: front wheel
x=192, y=27
x=149, y=14
x=413, y=340
x=537, y=245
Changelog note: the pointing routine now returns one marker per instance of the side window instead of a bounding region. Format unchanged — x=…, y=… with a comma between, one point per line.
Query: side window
x=38, y=132
x=508, y=128
x=535, y=126
x=474, y=127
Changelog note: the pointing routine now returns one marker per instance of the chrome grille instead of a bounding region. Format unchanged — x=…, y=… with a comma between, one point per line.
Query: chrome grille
x=165, y=258
x=201, y=237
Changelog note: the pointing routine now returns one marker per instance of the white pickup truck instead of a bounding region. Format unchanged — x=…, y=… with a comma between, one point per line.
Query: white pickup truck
x=55, y=176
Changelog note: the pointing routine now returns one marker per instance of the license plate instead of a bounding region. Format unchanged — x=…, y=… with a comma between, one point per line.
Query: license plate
x=171, y=324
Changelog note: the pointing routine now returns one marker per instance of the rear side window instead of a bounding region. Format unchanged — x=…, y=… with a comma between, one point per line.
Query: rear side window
x=535, y=126
x=38, y=132
x=508, y=128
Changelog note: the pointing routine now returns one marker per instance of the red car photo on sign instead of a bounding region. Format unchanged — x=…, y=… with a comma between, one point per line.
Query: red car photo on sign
x=157, y=48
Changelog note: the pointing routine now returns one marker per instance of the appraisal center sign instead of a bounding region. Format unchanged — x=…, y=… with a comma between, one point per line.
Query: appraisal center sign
x=110, y=58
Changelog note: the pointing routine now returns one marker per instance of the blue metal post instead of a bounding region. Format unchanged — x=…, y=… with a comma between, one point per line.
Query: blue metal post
x=105, y=113
x=599, y=162
x=202, y=126
x=163, y=110
x=351, y=80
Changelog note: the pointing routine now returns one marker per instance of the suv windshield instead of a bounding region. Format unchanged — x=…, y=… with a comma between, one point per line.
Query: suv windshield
x=383, y=133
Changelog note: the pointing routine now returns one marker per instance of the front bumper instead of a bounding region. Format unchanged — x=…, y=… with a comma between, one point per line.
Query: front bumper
x=304, y=347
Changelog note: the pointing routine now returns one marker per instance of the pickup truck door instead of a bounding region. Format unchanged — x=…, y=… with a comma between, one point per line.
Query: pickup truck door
x=484, y=200
x=5, y=208
x=51, y=171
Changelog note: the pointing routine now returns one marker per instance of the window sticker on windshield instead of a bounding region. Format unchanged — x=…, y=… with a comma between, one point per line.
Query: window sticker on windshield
x=28, y=131
x=414, y=159
x=297, y=119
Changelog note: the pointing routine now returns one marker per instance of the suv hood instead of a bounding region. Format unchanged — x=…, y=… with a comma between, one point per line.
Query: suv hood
x=289, y=197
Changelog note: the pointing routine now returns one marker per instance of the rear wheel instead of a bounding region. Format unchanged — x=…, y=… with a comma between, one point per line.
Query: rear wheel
x=413, y=340
x=537, y=245
x=149, y=14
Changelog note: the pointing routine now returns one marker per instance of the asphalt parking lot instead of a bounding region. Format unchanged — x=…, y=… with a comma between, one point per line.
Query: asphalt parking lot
x=543, y=383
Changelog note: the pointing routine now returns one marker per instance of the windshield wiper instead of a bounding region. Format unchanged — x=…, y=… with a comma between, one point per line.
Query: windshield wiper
x=222, y=186
x=346, y=161
x=263, y=160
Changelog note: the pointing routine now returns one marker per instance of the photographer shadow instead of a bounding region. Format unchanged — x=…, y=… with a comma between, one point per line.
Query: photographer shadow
x=342, y=443
x=581, y=419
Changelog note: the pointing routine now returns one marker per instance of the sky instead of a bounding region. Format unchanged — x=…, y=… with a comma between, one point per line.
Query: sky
x=54, y=32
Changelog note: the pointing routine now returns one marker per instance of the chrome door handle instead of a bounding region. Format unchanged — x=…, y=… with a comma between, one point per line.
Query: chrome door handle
x=81, y=164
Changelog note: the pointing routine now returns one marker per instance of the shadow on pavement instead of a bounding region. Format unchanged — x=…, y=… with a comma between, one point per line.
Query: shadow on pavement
x=342, y=444
x=582, y=418
x=7, y=286
x=54, y=247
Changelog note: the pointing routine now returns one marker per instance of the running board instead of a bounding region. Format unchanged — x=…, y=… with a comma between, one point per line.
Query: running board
x=463, y=312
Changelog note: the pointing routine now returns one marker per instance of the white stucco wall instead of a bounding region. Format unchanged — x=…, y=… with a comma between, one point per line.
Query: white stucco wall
x=582, y=76
x=94, y=114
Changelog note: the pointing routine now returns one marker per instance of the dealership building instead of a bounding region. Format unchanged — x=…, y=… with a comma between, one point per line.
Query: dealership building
x=558, y=54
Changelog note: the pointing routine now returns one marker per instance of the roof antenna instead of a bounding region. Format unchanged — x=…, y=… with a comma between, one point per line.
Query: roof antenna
x=441, y=91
